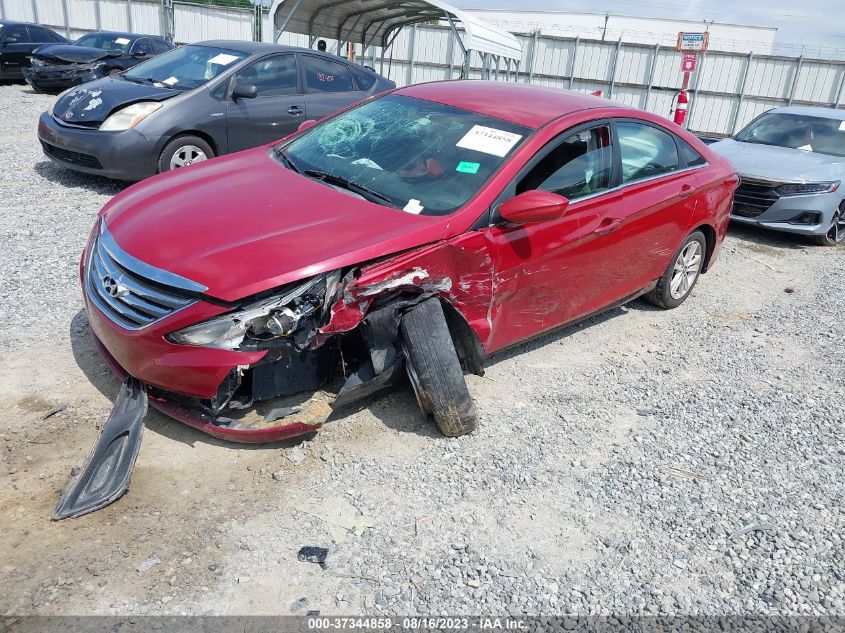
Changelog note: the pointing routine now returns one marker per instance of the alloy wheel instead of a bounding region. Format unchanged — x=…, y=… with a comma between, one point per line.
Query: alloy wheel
x=686, y=270
x=187, y=155
x=836, y=232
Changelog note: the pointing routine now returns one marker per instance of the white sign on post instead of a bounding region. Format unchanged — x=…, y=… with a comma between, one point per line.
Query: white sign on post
x=693, y=42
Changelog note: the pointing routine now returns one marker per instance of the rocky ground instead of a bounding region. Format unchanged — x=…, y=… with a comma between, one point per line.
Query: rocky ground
x=682, y=462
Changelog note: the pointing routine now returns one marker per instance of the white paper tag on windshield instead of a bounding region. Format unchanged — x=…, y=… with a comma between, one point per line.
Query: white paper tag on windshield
x=121, y=41
x=223, y=59
x=842, y=126
x=805, y=148
x=170, y=81
x=414, y=207
x=489, y=140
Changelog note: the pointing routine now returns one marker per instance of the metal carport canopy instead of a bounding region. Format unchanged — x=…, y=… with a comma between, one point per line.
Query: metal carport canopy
x=377, y=22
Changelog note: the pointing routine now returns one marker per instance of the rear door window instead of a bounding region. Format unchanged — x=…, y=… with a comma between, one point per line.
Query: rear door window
x=324, y=75
x=646, y=152
x=42, y=35
x=160, y=46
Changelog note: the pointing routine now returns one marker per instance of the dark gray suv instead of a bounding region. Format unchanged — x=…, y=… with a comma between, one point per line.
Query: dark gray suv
x=197, y=102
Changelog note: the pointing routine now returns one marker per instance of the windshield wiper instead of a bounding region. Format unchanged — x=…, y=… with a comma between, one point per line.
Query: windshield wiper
x=361, y=190
x=291, y=165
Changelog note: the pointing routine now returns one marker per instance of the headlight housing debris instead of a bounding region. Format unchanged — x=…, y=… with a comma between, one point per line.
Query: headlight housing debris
x=130, y=116
x=267, y=322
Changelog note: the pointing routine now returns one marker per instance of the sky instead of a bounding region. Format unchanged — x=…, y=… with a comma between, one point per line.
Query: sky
x=812, y=22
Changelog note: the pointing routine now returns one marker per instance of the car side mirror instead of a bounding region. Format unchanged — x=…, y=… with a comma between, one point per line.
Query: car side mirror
x=306, y=124
x=532, y=207
x=244, y=91
x=140, y=55
x=10, y=40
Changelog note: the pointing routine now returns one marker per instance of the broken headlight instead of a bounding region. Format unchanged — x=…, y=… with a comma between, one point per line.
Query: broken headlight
x=130, y=116
x=267, y=320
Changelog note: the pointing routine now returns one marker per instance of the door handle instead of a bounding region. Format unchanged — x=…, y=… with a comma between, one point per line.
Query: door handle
x=686, y=191
x=607, y=225
x=296, y=110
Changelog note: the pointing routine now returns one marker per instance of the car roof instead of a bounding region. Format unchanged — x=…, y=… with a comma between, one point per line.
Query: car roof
x=133, y=36
x=523, y=104
x=827, y=113
x=249, y=47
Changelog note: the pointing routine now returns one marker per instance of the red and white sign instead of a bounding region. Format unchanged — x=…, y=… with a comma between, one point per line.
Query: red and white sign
x=689, y=62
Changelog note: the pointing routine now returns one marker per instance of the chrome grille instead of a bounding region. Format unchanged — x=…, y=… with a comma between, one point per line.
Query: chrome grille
x=129, y=292
x=753, y=197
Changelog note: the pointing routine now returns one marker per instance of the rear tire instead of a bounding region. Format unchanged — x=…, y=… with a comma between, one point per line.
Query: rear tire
x=680, y=276
x=435, y=371
x=183, y=151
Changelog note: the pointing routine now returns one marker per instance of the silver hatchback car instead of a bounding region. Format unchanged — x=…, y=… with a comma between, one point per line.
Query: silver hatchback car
x=791, y=164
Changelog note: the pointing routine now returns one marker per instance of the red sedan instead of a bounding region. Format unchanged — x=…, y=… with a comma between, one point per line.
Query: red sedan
x=413, y=234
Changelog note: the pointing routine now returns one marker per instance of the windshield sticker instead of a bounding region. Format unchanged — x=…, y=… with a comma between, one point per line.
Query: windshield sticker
x=489, y=140
x=805, y=148
x=842, y=126
x=170, y=81
x=467, y=168
x=121, y=40
x=413, y=206
x=223, y=59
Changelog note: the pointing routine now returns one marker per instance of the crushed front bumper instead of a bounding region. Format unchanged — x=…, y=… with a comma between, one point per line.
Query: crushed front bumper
x=225, y=429
x=125, y=155
x=57, y=78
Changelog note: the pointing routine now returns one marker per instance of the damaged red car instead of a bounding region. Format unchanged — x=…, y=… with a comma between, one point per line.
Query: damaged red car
x=413, y=234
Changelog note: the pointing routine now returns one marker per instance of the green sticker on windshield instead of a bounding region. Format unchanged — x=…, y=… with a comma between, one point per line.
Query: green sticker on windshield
x=467, y=168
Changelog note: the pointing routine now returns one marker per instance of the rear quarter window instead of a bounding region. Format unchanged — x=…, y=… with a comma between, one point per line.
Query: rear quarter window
x=690, y=156
x=364, y=79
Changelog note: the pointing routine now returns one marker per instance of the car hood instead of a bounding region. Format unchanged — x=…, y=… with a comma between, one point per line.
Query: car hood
x=782, y=164
x=72, y=54
x=94, y=101
x=243, y=224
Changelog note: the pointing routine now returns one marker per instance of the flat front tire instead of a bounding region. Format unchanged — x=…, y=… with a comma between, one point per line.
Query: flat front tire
x=681, y=275
x=183, y=151
x=435, y=371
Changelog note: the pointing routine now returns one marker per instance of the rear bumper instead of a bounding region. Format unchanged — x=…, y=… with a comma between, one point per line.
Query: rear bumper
x=126, y=155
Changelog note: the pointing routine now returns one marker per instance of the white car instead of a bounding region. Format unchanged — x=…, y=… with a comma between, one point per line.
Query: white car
x=791, y=164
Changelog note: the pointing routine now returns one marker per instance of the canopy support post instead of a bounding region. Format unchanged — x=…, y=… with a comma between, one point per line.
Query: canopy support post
x=281, y=29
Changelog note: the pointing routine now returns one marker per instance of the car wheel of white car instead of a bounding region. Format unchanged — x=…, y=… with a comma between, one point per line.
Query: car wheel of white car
x=183, y=151
x=835, y=233
x=680, y=276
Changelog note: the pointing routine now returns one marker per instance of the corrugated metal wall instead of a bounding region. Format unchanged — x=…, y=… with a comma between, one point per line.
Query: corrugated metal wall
x=727, y=91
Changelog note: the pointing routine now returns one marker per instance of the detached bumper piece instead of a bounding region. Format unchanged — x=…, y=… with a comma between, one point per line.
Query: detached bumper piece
x=105, y=476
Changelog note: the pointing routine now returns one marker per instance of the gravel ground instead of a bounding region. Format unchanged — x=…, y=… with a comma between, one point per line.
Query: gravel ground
x=644, y=462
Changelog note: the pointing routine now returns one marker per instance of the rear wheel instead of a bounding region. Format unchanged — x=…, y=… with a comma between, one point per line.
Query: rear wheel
x=183, y=151
x=835, y=232
x=680, y=276
x=435, y=371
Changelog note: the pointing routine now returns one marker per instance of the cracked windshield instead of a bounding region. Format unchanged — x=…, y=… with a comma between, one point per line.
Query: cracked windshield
x=410, y=154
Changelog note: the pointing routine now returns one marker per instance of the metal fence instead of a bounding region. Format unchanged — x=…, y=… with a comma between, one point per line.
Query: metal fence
x=727, y=90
